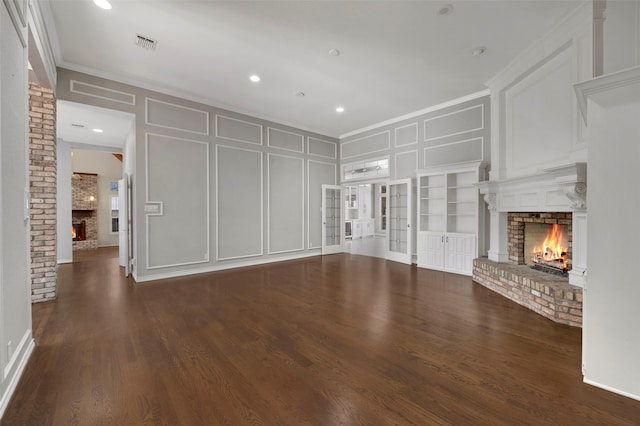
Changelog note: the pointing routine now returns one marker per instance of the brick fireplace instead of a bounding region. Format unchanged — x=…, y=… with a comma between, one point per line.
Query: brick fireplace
x=84, y=218
x=554, y=196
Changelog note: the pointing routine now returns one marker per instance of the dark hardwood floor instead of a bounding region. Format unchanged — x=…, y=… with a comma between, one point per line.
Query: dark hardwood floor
x=341, y=339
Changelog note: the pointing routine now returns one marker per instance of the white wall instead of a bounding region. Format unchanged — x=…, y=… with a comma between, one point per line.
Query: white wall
x=109, y=169
x=611, y=341
x=16, y=342
x=621, y=35
x=63, y=200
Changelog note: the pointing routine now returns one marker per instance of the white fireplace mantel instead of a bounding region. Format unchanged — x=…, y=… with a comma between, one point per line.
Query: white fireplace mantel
x=555, y=189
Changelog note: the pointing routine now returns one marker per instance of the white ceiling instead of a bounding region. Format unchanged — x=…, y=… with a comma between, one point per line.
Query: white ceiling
x=396, y=57
x=115, y=125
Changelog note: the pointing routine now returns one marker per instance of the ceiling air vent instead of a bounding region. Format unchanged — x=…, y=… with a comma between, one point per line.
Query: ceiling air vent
x=146, y=42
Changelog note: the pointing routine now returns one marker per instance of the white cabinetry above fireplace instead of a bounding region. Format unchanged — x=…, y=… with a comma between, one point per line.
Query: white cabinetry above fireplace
x=450, y=217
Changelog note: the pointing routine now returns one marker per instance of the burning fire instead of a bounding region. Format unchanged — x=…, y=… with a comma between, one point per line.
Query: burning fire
x=73, y=232
x=551, y=249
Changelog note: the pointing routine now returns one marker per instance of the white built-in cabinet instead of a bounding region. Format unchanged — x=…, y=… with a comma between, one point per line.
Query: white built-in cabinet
x=358, y=202
x=450, y=217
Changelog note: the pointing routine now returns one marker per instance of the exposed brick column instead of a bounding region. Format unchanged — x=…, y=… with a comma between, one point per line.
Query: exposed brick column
x=42, y=178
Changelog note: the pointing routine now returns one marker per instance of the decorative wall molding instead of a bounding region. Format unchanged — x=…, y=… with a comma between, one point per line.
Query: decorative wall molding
x=101, y=92
x=155, y=208
x=413, y=141
x=395, y=163
x=437, y=117
x=386, y=147
x=309, y=162
x=321, y=141
x=269, y=144
x=302, y=209
x=220, y=117
x=149, y=101
x=217, y=213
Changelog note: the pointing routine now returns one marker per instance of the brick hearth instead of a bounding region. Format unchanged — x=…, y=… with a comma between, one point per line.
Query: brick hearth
x=549, y=295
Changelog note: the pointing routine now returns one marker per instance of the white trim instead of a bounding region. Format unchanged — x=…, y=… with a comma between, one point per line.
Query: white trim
x=415, y=114
x=20, y=30
x=610, y=389
x=335, y=148
x=269, y=128
x=207, y=255
x=22, y=11
x=72, y=89
x=309, y=161
x=395, y=162
x=591, y=87
x=424, y=124
x=42, y=43
x=269, y=205
x=388, y=132
x=216, y=268
x=395, y=141
x=217, y=135
x=147, y=122
x=218, y=258
x=62, y=261
x=29, y=345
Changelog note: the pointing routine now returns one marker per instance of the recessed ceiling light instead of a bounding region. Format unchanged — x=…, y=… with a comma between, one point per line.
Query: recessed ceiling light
x=334, y=52
x=340, y=109
x=98, y=130
x=445, y=10
x=103, y=4
x=255, y=78
x=479, y=51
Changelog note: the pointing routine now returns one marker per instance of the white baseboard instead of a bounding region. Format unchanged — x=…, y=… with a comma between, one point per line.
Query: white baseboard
x=610, y=389
x=61, y=261
x=162, y=276
x=17, y=364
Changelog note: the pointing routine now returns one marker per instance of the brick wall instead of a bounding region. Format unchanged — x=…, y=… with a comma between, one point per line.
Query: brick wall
x=42, y=186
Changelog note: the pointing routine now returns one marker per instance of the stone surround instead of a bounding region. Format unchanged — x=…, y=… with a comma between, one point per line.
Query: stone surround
x=42, y=189
x=549, y=295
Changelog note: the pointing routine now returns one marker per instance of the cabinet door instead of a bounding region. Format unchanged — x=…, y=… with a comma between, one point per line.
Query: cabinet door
x=433, y=250
x=460, y=252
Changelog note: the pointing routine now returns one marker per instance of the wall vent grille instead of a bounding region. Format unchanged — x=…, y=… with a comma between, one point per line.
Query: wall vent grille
x=145, y=42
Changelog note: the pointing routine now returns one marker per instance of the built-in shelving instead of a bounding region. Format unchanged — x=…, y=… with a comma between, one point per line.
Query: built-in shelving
x=450, y=217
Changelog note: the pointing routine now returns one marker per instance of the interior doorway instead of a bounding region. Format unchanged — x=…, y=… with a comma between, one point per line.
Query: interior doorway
x=366, y=217
x=93, y=170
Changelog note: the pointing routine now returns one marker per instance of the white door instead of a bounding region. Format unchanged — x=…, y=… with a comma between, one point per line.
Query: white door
x=434, y=250
x=123, y=223
x=461, y=250
x=332, y=220
x=399, y=230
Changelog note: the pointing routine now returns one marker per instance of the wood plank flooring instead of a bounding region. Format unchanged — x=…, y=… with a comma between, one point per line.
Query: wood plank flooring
x=334, y=340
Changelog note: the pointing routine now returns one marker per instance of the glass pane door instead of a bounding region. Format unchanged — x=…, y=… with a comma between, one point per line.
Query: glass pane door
x=332, y=219
x=399, y=221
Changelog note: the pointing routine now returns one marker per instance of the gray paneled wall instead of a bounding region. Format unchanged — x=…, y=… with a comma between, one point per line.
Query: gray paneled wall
x=213, y=188
x=178, y=178
x=454, y=133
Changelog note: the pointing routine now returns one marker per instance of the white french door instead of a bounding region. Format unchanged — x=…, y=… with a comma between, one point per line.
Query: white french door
x=399, y=232
x=332, y=219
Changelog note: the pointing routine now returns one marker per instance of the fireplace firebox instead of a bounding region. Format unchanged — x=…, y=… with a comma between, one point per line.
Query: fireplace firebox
x=541, y=240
